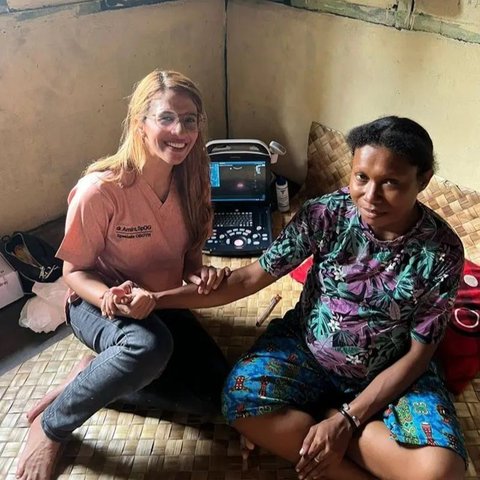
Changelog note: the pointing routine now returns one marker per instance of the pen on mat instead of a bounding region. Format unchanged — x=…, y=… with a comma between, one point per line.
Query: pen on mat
x=268, y=310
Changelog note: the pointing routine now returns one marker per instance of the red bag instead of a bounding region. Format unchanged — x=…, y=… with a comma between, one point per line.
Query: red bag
x=459, y=351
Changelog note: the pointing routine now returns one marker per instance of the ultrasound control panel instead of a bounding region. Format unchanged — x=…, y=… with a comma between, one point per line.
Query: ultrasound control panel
x=237, y=233
x=240, y=192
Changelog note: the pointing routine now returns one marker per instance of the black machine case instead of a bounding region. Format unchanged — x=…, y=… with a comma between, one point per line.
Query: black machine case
x=240, y=180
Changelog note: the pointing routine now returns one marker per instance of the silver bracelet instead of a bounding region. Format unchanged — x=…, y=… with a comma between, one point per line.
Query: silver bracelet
x=355, y=420
x=348, y=418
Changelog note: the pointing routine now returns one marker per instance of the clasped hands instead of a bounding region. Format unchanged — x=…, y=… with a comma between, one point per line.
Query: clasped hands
x=130, y=300
x=127, y=300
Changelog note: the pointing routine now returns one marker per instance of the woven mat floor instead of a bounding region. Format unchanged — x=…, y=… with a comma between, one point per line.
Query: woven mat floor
x=162, y=445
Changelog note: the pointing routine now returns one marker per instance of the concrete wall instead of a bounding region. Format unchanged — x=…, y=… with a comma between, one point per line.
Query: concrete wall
x=288, y=66
x=64, y=76
x=65, y=71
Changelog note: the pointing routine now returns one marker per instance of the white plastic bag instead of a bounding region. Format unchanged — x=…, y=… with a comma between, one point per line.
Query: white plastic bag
x=46, y=311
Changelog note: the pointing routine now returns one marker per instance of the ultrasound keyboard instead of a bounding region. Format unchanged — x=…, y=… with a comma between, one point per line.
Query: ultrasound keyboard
x=239, y=233
x=233, y=219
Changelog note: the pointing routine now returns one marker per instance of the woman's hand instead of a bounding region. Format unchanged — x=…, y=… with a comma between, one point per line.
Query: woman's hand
x=324, y=446
x=114, y=296
x=208, y=278
x=127, y=300
x=139, y=304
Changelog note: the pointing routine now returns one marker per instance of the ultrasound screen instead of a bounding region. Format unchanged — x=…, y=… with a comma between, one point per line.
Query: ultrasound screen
x=238, y=181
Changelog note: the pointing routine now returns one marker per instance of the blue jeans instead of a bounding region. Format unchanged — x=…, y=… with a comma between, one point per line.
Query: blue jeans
x=133, y=354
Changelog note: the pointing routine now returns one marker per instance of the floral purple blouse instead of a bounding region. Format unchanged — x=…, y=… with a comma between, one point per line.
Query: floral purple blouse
x=364, y=298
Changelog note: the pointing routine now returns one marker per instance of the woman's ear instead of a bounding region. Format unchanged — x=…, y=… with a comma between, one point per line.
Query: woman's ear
x=425, y=179
x=139, y=128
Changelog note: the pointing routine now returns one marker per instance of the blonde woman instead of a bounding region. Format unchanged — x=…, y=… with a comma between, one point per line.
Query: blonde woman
x=137, y=219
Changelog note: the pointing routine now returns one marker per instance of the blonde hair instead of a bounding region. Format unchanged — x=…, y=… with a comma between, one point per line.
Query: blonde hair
x=191, y=176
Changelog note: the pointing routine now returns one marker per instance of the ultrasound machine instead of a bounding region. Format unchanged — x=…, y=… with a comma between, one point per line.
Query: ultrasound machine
x=240, y=184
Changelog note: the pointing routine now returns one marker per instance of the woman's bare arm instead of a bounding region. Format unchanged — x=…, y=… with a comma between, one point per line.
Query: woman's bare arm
x=87, y=284
x=241, y=283
x=394, y=380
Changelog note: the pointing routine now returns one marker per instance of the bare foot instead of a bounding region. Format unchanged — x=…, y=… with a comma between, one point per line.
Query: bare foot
x=38, y=408
x=39, y=455
x=246, y=446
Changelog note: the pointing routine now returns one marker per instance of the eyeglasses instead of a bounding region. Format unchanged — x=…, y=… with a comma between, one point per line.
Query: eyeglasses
x=167, y=120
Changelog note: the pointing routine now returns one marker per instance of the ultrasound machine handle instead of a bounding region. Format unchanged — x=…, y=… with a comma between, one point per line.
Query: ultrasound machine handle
x=226, y=145
x=273, y=150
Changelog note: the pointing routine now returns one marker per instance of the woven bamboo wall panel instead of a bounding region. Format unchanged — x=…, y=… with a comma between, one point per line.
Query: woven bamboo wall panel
x=460, y=207
x=328, y=161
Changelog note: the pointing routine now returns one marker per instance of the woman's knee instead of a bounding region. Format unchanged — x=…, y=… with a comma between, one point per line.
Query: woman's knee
x=438, y=463
x=429, y=463
x=149, y=348
x=375, y=451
